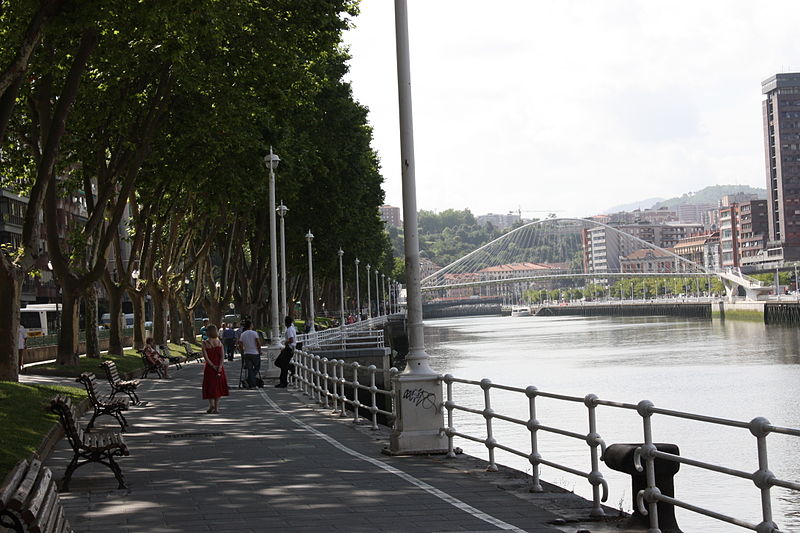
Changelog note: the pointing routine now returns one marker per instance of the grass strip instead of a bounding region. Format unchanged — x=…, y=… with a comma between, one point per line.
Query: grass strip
x=128, y=362
x=26, y=418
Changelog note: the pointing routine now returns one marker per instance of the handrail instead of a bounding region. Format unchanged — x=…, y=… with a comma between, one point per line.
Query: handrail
x=325, y=381
x=645, y=455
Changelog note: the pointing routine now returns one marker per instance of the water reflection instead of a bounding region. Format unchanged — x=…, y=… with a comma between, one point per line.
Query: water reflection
x=729, y=369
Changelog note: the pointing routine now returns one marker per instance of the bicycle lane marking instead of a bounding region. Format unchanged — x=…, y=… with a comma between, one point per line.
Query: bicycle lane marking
x=430, y=489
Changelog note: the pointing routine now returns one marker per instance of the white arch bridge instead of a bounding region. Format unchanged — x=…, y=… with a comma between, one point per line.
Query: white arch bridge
x=559, y=253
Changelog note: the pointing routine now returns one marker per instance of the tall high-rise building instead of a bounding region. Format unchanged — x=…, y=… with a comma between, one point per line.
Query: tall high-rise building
x=391, y=215
x=781, y=110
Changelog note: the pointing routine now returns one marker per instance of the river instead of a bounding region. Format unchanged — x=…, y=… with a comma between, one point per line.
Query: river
x=729, y=369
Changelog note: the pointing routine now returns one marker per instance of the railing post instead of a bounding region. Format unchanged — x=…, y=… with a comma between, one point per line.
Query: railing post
x=356, y=403
x=318, y=396
x=343, y=393
x=325, y=380
x=488, y=414
x=759, y=427
x=373, y=391
x=593, y=440
x=533, y=426
x=449, y=404
x=650, y=495
x=334, y=383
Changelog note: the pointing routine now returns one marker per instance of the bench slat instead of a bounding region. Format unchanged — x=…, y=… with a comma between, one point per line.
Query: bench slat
x=23, y=492
x=39, y=493
x=46, y=518
x=14, y=479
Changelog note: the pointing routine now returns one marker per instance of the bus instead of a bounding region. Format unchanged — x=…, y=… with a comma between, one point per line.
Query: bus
x=40, y=319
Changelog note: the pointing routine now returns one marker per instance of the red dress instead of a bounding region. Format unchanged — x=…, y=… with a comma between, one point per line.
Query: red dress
x=214, y=384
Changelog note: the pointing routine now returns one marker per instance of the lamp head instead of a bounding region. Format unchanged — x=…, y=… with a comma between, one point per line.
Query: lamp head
x=282, y=209
x=357, y=261
x=271, y=160
x=309, y=236
x=340, y=253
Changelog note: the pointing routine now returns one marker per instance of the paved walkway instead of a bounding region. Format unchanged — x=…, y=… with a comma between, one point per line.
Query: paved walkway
x=270, y=461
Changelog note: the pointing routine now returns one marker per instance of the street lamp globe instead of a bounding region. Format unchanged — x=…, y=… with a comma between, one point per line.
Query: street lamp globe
x=271, y=161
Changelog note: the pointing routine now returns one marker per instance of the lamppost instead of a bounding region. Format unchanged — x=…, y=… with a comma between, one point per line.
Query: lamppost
x=391, y=296
x=282, y=210
x=413, y=433
x=377, y=295
x=340, y=253
x=309, y=238
x=271, y=161
x=383, y=293
x=358, y=293
x=369, y=295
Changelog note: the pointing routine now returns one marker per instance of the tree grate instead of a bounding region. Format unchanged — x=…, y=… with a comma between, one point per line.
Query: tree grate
x=192, y=435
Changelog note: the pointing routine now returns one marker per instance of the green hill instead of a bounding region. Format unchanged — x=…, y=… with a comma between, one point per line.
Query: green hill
x=710, y=195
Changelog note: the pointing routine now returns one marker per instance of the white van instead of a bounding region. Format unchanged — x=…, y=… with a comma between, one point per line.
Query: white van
x=40, y=319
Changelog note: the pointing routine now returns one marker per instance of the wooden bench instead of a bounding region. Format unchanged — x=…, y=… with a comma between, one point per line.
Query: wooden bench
x=173, y=359
x=103, y=405
x=119, y=385
x=191, y=355
x=148, y=366
x=29, y=499
x=100, y=447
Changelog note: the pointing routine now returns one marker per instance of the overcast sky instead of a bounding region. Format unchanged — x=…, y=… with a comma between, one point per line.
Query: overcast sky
x=573, y=106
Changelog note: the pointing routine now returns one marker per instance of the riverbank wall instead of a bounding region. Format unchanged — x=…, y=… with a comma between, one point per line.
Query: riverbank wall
x=684, y=309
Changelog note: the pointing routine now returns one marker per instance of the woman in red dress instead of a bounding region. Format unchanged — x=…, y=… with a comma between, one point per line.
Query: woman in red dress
x=215, y=382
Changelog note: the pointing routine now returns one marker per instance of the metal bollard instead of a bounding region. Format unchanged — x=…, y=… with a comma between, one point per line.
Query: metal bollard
x=620, y=457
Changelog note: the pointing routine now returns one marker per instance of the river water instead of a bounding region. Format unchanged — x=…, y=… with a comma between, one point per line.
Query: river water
x=728, y=369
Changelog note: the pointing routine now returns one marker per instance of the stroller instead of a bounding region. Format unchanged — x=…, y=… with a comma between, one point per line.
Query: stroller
x=243, y=375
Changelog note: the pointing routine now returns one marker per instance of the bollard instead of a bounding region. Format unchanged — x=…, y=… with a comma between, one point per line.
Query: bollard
x=619, y=457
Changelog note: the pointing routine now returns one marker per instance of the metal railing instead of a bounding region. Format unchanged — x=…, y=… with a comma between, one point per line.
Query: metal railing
x=647, y=453
x=326, y=382
x=343, y=338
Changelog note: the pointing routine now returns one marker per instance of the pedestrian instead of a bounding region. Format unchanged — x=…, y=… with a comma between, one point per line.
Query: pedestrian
x=203, y=330
x=21, y=342
x=250, y=347
x=284, y=360
x=215, y=382
x=154, y=356
x=229, y=340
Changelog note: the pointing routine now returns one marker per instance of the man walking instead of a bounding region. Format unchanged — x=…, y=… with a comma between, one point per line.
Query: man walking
x=284, y=360
x=229, y=340
x=250, y=347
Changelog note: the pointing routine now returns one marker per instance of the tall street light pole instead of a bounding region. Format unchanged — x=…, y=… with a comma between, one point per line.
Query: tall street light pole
x=340, y=253
x=309, y=238
x=358, y=293
x=413, y=431
x=272, y=160
x=377, y=294
x=282, y=210
x=369, y=295
x=383, y=293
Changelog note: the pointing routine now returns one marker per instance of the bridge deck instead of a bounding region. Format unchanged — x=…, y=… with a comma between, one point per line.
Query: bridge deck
x=268, y=461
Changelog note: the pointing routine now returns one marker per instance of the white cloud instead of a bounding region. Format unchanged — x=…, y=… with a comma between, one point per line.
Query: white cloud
x=573, y=105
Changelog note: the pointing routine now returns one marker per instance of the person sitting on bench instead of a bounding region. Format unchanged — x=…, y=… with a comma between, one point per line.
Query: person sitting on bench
x=154, y=357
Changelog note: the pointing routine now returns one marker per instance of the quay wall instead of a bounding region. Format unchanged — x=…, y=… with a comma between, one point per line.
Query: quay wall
x=685, y=309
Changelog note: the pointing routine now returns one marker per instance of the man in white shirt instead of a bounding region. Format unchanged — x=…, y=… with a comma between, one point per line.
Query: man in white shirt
x=250, y=347
x=21, y=340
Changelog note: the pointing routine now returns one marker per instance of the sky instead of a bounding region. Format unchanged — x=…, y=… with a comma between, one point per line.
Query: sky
x=572, y=106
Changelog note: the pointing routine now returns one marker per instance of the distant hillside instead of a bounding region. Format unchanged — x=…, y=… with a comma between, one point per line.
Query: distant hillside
x=641, y=204
x=710, y=195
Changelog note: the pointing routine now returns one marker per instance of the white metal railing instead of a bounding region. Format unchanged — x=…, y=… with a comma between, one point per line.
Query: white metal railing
x=363, y=334
x=646, y=499
x=328, y=382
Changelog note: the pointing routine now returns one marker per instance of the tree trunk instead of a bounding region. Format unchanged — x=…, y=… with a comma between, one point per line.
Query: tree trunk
x=174, y=320
x=138, y=319
x=215, y=313
x=187, y=324
x=92, y=342
x=10, y=292
x=68, y=337
x=160, y=314
x=115, y=310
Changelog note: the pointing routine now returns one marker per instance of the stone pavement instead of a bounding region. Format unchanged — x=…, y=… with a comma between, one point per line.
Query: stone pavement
x=269, y=461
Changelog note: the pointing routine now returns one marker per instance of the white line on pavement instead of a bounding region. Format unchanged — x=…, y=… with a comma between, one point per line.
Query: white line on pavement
x=455, y=502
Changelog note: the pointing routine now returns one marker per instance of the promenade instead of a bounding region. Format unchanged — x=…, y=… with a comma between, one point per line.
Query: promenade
x=269, y=461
